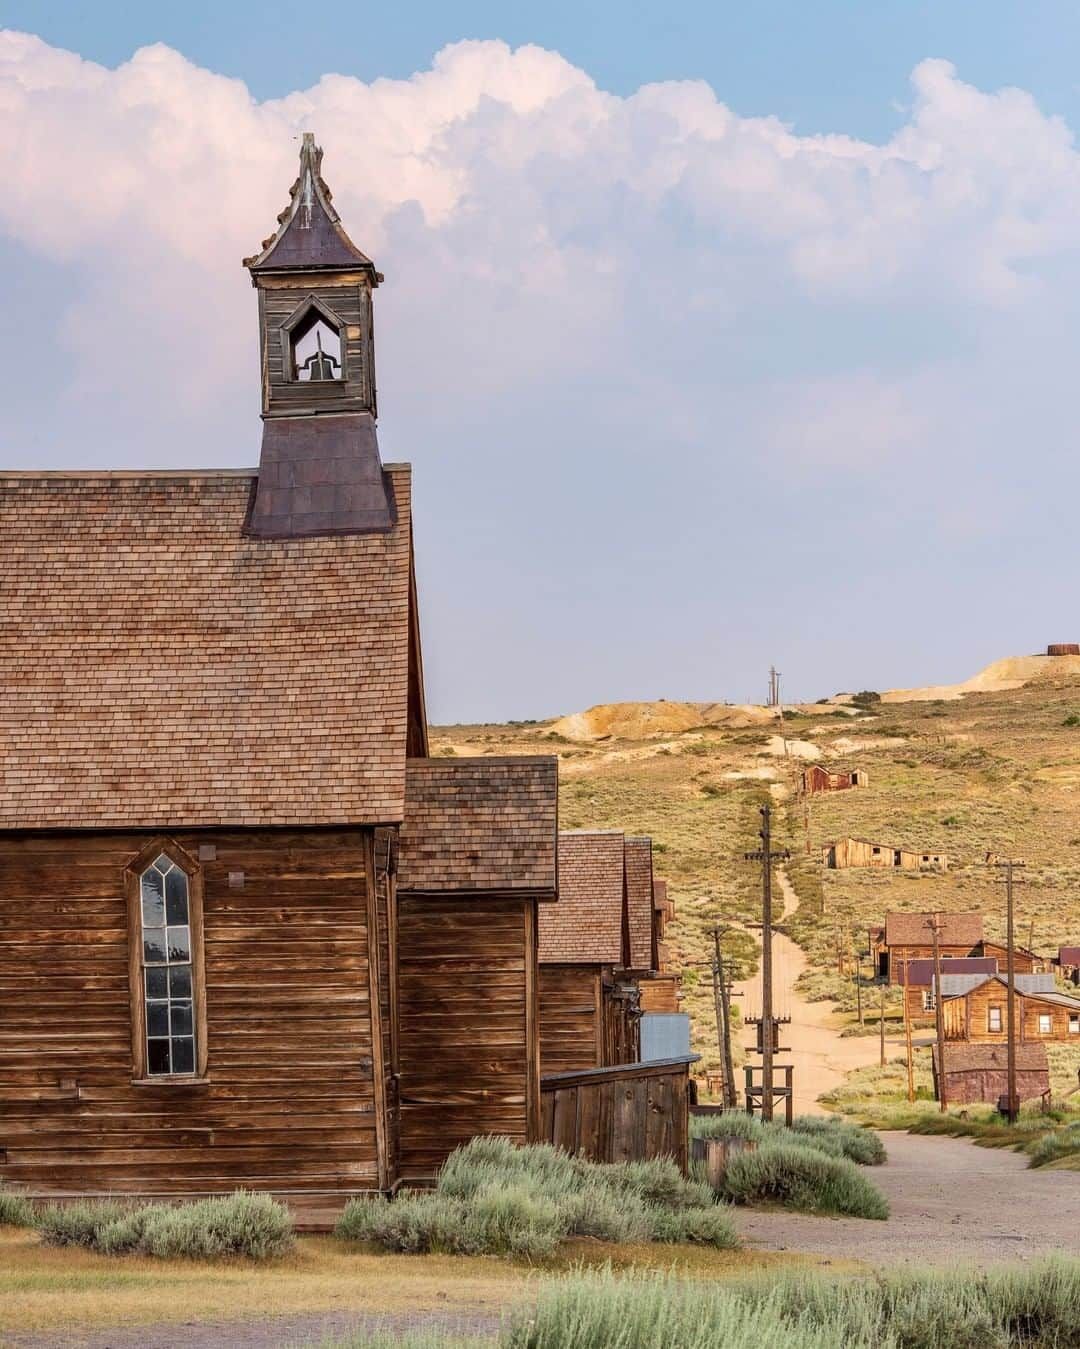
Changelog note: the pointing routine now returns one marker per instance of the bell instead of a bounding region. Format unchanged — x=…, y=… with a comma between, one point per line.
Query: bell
x=320, y=365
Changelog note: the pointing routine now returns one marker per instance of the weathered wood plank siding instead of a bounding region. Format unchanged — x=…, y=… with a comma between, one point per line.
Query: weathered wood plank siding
x=290, y=1101
x=466, y=1001
x=623, y=1114
x=571, y=1020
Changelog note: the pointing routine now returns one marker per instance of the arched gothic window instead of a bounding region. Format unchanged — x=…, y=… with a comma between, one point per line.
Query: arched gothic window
x=166, y=964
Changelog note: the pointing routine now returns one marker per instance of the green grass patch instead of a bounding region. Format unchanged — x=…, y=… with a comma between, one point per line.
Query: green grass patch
x=493, y=1198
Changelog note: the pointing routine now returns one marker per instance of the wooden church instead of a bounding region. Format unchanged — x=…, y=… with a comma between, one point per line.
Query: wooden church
x=250, y=934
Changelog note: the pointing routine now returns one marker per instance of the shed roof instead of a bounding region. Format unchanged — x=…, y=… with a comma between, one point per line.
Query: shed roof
x=970, y=1058
x=480, y=824
x=586, y=926
x=639, y=902
x=910, y=929
x=920, y=973
x=160, y=668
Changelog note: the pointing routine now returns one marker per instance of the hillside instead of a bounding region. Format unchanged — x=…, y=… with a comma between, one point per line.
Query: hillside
x=992, y=771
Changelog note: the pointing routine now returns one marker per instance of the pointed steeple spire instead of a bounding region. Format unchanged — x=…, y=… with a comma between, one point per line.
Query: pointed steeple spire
x=310, y=234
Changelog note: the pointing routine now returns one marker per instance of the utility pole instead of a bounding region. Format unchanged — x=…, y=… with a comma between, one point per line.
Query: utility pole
x=1008, y=865
x=766, y=857
x=881, y=1026
x=726, y=1056
x=935, y=925
x=907, y=1032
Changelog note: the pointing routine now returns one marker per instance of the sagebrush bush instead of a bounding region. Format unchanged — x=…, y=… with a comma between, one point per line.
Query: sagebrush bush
x=15, y=1211
x=834, y=1137
x=1051, y=1147
x=731, y=1124
x=493, y=1197
x=1034, y=1306
x=855, y=1143
x=804, y=1179
x=251, y=1225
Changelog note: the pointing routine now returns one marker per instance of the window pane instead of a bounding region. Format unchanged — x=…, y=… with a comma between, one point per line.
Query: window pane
x=176, y=895
x=180, y=1018
x=183, y=1055
x=157, y=983
x=157, y=1018
x=153, y=899
x=162, y=863
x=154, y=945
x=180, y=981
x=179, y=943
x=157, y=1056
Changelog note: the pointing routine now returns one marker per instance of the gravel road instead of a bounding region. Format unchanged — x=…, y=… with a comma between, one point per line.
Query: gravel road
x=951, y=1202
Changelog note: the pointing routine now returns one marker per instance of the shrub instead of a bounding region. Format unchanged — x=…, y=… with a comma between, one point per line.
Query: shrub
x=804, y=1179
x=731, y=1124
x=865, y=698
x=15, y=1211
x=857, y=1144
x=493, y=1197
x=251, y=1225
x=1051, y=1147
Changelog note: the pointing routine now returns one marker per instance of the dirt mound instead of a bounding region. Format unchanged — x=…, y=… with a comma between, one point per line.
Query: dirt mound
x=640, y=721
x=1011, y=673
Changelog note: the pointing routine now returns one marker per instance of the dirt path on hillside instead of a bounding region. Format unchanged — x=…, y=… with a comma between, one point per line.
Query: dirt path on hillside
x=821, y=1057
x=951, y=1203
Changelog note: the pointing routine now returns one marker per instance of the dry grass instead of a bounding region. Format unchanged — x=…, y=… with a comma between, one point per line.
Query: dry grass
x=48, y=1289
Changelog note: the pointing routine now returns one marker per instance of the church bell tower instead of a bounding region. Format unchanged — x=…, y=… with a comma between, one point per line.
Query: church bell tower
x=319, y=469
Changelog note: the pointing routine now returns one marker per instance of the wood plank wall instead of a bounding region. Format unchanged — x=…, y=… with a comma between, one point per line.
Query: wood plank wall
x=291, y=1100
x=466, y=998
x=571, y=1020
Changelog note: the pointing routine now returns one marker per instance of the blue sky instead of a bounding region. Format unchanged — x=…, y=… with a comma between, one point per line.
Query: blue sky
x=743, y=337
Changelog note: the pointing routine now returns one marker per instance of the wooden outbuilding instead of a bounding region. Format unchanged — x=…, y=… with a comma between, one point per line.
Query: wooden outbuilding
x=212, y=770
x=1068, y=962
x=908, y=936
x=860, y=852
x=593, y=945
x=919, y=982
x=661, y=988
x=1024, y=961
x=816, y=779
x=975, y=1009
x=979, y=1073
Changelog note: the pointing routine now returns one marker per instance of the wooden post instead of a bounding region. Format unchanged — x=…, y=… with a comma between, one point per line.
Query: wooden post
x=729, y=1096
x=935, y=925
x=766, y=857
x=881, y=1026
x=907, y=1033
x=1013, y=1104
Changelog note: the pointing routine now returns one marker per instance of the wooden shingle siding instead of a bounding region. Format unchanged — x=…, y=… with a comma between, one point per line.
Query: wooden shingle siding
x=639, y=902
x=290, y=1099
x=571, y=1024
x=465, y=985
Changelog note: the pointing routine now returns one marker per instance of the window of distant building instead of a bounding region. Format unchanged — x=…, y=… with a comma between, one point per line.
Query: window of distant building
x=993, y=1019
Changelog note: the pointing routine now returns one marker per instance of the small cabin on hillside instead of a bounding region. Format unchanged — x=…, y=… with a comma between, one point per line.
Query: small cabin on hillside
x=980, y=1073
x=860, y=852
x=817, y=779
x=974, y=1008
x=909, y=936
x=250, y=935
x=593, y=947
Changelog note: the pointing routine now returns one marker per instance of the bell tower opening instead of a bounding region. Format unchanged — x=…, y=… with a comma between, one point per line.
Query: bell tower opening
x=315, y=350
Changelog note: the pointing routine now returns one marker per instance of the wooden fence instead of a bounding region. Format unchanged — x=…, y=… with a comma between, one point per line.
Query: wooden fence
x=627, y=1113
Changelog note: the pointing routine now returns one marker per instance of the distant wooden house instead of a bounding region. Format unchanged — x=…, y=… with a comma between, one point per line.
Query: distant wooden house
x=1024, y=961
x=1068, y=962
x=979, y=1073
x=975, y=1009
x=661, y=989
x=908, y=936
x=816, y=778
x=250, y=935
x=918, y=980
x=593, y=945
x=860, y=852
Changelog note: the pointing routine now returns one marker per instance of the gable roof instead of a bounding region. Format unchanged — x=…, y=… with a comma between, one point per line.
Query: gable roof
x=1027, y=985
x=639, y=902
x=159, y=668
x=920, y=973
x=910, y=929
x=586, y=926
x=480, y=824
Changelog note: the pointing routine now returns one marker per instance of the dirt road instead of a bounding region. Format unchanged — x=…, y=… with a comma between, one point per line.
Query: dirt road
x=820, y=1056
x=951, y=1202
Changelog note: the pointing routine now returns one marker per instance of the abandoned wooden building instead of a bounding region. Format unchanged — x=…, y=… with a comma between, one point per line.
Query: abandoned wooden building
x=594, y=946
x=860, y=852
x=661, y=986
x=1068, y=962
x=816, y=778
x=909, y=936
x=979, y=1073
x=249, y=934
x=916, y=977
x=974, y=1007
